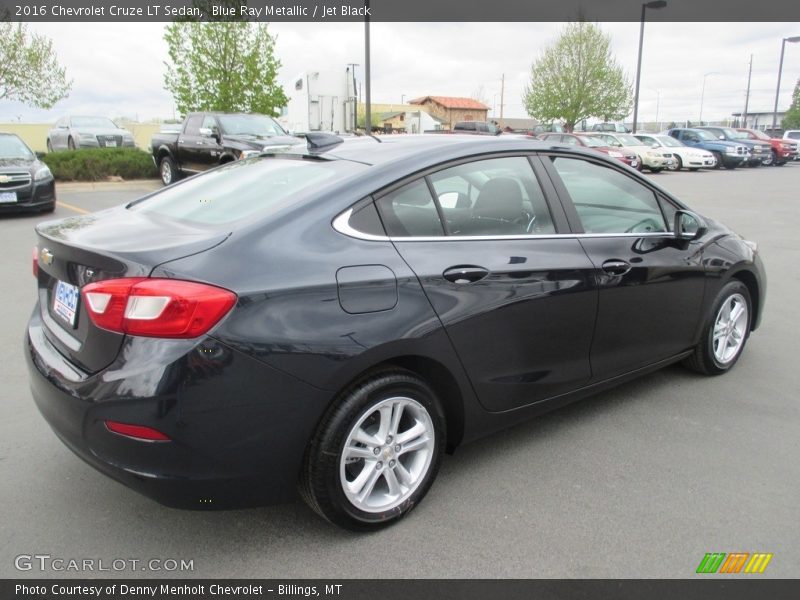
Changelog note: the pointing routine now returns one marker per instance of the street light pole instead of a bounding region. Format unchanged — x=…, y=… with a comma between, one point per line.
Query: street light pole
x=656, y=4
x=703, y=93
x=791, y=40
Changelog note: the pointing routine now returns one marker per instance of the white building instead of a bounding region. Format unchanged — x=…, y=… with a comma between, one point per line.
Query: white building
x=320, y=101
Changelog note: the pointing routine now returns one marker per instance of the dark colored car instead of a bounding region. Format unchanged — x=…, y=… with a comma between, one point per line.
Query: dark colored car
x=591, y=142
x=477, y=128
x=758, y=151
x=26, y=183
x=334, y=318
x=782, y=150
x=209, y=139
x=728, y=154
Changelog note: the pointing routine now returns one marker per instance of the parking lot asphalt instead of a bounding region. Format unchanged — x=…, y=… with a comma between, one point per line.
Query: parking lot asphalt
x=640, y=481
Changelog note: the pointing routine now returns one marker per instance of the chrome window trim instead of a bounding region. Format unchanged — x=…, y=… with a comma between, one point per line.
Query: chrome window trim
x=342, y=224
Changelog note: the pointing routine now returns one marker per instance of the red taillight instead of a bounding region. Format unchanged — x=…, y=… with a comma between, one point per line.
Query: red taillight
x=166, y=308
x=138, y=432
x=36, y=261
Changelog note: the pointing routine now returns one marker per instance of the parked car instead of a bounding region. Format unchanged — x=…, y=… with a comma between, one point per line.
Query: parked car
x=26, y=183
x=70, y=133
x=793, y=134
x=650, y=158
x=758, y=151
x=547, y=128
x=685, y=157
x=782, y=150
x=320, y=316
x=587, y=141
x=209, y=139
x=610, y=127
x=728, y=154
x=477, y=127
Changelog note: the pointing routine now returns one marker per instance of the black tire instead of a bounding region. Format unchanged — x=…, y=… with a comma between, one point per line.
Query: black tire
x=656, y=170
x=71, y=144
x=168, y=171
x=49, y=147
x=694, y=169
x=678, y=163
x=321, y=483
x=704, y=360
x=730, y=166
x=772, y=160
x=718, y=156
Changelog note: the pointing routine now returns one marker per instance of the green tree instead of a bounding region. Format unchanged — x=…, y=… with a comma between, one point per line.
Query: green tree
x=576, y=78
x=29, y=69
x=224, y=66
x=792, y=118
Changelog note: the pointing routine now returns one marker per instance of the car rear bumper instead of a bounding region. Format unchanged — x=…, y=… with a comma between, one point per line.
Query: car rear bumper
x=233, y=443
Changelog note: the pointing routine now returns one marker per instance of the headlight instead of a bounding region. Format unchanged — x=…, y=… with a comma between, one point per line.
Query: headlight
x=42, y=174
x=730, y=150
x=653, y=155
x=86, y=136
x=615, y=154
x=248, y=153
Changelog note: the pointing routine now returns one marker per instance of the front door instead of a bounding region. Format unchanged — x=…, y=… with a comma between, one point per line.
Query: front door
x=651, y=285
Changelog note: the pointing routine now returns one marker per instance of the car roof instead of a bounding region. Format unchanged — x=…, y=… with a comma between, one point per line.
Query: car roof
x=374, y=151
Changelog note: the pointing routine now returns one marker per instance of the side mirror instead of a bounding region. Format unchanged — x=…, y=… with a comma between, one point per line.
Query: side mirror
x=688, y=226
x=722, y=137
x=654, y=146
x=206, y=132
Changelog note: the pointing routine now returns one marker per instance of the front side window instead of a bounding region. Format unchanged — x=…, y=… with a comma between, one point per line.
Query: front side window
x=193, y=125
x=498, y=196
x=608, y=201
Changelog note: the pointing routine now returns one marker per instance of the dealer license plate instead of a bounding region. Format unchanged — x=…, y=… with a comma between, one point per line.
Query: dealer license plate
x=111, y=143
x=8, y=197
x=65, y=303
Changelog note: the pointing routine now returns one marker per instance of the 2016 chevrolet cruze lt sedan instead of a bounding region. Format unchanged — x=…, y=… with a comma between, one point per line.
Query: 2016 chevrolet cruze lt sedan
x=334, y=317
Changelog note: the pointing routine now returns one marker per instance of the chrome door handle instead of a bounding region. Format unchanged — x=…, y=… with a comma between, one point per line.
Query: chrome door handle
x=616, y=267
x=465, y=274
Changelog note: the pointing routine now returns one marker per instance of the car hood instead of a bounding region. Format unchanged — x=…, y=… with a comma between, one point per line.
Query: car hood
x=27, y=164
x=259, y=143
x=101, y=130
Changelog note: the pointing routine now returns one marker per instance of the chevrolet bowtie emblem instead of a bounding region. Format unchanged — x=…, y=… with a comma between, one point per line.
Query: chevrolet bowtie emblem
x=46, y=256
x=4, y=178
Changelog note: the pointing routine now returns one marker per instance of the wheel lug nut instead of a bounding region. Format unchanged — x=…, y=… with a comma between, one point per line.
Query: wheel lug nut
x=379, y=466
x=376, y=451
x=389, y=439
x=397, y=448
x=391, y=463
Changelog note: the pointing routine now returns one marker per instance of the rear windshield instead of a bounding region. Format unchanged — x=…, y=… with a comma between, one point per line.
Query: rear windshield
x=246, y=188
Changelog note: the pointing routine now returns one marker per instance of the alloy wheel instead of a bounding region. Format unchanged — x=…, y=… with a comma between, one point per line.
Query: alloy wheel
x=730, y=329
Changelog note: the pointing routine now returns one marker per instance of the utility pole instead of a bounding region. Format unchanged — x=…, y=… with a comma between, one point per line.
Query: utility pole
x=747, y=95
x=502, y=92
x=368, y=95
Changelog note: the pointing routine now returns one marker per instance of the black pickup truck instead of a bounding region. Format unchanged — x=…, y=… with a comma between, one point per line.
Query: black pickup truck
x=209, y=139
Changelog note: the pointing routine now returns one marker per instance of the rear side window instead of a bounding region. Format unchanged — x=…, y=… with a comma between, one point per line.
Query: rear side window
x=246, y=188
x=193, y=125
x=410, y=211
x=608, y=201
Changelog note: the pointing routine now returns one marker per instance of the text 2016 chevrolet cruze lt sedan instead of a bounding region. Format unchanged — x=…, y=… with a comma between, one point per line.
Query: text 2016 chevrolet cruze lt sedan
x=332, y=319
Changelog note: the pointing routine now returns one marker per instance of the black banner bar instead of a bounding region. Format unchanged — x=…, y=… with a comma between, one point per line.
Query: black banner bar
x=396, y=10
x=713, y=588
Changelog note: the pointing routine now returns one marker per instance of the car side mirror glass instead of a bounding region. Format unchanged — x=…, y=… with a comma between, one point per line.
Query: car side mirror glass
x=688, y=225
x=722, y=137
x=206, y=132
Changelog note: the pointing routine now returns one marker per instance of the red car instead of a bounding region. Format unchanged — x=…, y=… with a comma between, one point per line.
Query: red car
x=594, y=143
x=782, y=150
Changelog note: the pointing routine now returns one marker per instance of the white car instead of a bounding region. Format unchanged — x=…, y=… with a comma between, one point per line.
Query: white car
x=685, y=156
x=649, y=158
x=793, y=134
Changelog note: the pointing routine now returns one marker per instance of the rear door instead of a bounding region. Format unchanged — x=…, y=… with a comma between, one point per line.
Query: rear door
x=191, y=144
x=516, y=297
x=651, y=286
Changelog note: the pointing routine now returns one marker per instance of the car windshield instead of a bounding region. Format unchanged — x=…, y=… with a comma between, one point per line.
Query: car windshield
x=732, y=133
x=759, y=134
x=592, y=142
x=11, y=148
x=93, y=122
x=705, y=135
x=669, y=141
x=256, y=187
x=628, y=140
x=255, y=125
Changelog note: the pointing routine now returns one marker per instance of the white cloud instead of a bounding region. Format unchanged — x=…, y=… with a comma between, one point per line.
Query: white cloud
x=118, y=67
